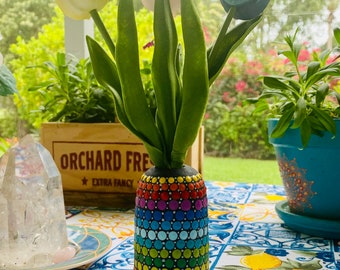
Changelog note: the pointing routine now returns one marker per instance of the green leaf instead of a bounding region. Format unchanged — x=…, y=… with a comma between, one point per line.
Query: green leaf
x=7, y=82
x=323, y=56
x=165, y=80
x=104, y=68
x=316, y=126
x=261, y=107
x=274, y=82
x=241, y=251
x=337, y=95
x=300, y=113
x=312, y=68
x=294, y=51
x=295, y=85
x=120, y=110
x=321, y=93
x=325, y=119
x=318, y=76
x=106, y=73
x=156, y=154
x=46, y=84
x=231, y=267
x=305, y=132
x=274, y=93
x=290, y=55
x=133, y=96
x=286, y=86
x=283, y=124
x=337, y=34
x=195, y=83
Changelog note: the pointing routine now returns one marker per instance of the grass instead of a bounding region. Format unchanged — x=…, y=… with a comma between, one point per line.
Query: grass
x=241, y=170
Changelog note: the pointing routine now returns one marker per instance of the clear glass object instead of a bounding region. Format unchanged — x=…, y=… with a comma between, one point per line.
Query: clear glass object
x=32, y=213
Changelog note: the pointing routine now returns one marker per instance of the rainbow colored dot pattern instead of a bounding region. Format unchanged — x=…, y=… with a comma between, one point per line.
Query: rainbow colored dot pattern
x=171, y=223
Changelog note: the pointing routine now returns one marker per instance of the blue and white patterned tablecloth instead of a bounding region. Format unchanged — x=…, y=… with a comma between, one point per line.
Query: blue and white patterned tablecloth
x=245, y=233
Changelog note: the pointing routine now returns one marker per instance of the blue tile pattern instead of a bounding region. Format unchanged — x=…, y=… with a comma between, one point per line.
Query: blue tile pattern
x=244, y=233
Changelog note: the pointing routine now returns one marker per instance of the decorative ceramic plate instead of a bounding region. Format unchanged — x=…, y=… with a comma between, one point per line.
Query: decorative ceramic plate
x=93, y=245
x=313, y=226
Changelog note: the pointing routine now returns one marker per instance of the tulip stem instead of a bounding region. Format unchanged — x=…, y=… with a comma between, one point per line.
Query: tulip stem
x=224, y=28
x=102, y=29
x=228, y=20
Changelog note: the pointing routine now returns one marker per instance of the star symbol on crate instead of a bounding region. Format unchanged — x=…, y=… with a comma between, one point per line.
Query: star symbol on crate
x=84, y=180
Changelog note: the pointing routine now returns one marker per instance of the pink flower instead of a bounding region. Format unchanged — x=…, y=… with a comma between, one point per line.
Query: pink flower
x=331, y=59
x=149, y=44
x=334, y=83
x=207, y=36
x=304, y=55
x=272, y=52
x=240, y=86
x=226, y=98
x=254, y=68
x=317, y=50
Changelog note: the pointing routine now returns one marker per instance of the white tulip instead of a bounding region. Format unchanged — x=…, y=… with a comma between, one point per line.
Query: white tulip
x=80, y=9
x=175, y=5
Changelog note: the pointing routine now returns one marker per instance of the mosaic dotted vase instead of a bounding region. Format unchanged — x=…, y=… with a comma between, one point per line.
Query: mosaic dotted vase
x=171, y=220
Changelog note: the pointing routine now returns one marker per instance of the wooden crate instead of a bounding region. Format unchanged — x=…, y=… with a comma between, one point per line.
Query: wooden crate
x=100, y=164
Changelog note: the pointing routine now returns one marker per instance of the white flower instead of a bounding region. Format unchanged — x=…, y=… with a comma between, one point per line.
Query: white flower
x=175, y=5
x=80, y=9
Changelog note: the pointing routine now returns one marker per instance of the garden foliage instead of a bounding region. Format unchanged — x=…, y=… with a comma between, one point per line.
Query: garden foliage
x=231, y=127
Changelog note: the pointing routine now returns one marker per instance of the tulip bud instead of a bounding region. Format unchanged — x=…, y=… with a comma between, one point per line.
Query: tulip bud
x=80, y=9
x=245, y=9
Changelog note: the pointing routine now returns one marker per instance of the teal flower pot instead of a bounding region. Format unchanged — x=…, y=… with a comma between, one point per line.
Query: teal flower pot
x=311, y=176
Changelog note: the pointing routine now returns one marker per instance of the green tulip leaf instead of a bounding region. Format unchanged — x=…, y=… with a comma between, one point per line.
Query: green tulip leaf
x=219, y=52
x=165, y=79
x=133, y=96
x=195, y=83
x=104, y=68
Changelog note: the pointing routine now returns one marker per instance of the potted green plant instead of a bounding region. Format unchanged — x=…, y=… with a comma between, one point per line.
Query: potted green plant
x=304, y=106
x=171, y=218
x=72, y=94
x=77, y=109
